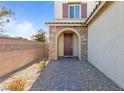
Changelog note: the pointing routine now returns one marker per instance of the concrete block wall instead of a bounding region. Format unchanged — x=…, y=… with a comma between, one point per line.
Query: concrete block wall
x=15, y=53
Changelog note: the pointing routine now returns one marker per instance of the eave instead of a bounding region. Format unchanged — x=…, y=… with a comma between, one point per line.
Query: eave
x=64, y=23
x=99, y=7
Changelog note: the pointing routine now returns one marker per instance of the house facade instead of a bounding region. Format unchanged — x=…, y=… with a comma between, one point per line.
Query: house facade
x=96, y=27
x=68, y=38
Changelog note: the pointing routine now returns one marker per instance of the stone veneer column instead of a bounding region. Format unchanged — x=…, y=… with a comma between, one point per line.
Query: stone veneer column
x=52, y=43
x=52, y=37
x=83, y=33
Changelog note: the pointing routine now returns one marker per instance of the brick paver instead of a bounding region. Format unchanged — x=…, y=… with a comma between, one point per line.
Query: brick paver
x=68, y=74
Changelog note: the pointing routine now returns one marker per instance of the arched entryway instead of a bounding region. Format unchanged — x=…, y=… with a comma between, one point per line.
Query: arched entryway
x=68, y=43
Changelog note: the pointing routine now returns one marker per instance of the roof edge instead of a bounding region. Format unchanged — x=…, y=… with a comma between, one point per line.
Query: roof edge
x=95, y=11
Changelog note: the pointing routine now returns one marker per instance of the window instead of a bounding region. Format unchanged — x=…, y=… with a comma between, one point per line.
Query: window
x=74, y=11
x=71, y=11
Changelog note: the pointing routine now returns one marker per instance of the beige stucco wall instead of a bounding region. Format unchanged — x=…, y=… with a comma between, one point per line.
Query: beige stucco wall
x=61, y=45
x=75, y=45
x=90, y=6
x=106, y=42
x=58, y=9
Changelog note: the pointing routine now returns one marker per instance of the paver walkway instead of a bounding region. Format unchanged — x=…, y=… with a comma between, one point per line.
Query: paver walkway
x=68, y=74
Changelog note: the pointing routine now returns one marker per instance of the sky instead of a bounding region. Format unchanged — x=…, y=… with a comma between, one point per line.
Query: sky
x=29, y=17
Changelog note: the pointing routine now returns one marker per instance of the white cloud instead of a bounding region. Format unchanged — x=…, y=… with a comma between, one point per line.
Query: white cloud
x=24, y=27
x=20, y=29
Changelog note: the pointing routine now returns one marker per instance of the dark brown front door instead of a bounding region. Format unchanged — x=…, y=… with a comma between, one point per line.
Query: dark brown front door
x=68, y=49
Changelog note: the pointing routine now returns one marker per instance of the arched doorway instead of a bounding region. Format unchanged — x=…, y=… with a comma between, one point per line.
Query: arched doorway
x=68, y=43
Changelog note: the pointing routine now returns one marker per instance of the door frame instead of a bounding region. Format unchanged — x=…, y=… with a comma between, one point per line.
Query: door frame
x=64, y=30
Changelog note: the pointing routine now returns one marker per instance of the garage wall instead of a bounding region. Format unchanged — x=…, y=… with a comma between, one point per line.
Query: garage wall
x=106, y=42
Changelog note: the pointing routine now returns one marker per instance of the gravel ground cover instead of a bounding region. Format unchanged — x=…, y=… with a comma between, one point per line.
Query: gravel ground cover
x=29, y=74
x=68, y=74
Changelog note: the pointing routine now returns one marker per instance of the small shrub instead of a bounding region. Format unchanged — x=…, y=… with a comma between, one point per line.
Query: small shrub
x=42, y=65
x=17, y=85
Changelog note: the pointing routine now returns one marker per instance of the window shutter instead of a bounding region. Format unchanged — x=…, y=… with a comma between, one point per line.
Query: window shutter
x=65, y=10
x=83, y=10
